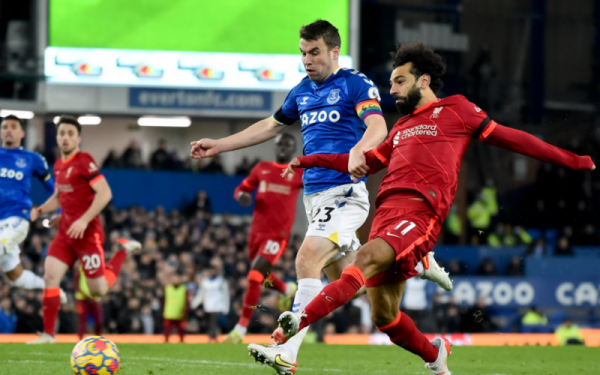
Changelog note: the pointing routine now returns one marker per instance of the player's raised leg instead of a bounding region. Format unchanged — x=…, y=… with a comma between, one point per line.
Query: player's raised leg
x=100, y=277
x=260, y=271
x=54, y=270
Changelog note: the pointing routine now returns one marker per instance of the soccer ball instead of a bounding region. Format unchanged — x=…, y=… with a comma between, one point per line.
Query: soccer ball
x=95, y=356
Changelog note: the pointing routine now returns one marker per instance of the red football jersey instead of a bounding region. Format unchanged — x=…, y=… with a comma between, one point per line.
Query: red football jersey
x=275, y=200
x=74, y=178
x=424, y=150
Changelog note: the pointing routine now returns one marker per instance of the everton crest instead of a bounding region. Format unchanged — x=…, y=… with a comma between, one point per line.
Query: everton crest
x=334, y=96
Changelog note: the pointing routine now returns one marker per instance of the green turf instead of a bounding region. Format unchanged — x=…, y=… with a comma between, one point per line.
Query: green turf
x=248, y=26
x=184, y=359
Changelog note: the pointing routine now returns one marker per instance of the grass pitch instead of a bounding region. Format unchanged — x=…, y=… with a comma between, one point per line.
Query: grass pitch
x=184, y=359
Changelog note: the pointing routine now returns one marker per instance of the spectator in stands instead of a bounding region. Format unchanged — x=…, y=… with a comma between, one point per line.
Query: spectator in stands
x=214, y=166
x=563, y=247
x=160, y=157
x=131, y=157
x=8, y=318
x=588, y=236
x=175, y=163
x=477, y=318
x=535, y=316
x=213, y=295
x=481, y=211
x=201, y=203
x=569, y=334
x=446, y=313
x=487, y=268
x=515, y=267
x=456, y=268
x=244, y=167
x=111, y=160
x=538, y=249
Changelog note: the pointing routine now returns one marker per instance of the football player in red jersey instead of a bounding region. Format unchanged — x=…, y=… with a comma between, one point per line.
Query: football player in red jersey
x=81, y=192
x=273, y=217
x=423, y=153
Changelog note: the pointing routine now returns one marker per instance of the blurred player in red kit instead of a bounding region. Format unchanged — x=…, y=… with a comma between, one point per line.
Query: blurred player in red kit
x=87, y=306
x=81, y=192
x=272, y=221
x=423, y=154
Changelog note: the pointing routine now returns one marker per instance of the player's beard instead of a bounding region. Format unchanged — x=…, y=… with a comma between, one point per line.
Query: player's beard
x=409, y=103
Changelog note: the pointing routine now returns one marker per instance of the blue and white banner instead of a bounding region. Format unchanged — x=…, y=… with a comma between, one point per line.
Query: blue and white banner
x=523, y=292
x=218, y=100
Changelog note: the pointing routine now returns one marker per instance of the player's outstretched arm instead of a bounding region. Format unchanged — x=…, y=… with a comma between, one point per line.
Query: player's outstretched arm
x=374, y=135
x=336, y=162
x=526, y=144
x=50, y=205
x=102, y=198
x=254, y=134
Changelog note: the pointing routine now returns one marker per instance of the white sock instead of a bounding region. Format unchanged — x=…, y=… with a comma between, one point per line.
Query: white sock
x=292, y=347
x=419, y=268
x=28, y=280
x=307, y=290
x=241, y=330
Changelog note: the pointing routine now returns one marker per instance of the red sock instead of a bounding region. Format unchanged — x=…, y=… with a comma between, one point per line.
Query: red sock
x=50, y=309
x=278, y=284
x=167, y=326
x=96, y=311
x=181, y=329
x=252, y=296
x=81, y=318
x=403, y=332
x=334, y=295
x=113, y=267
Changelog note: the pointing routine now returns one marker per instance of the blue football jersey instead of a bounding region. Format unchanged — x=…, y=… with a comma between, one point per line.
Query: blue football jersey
x=17, y=167
x=332, y=114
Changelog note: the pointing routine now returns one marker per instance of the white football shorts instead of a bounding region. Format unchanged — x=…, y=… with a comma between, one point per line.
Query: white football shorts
x=13, y=231
x=336, y=214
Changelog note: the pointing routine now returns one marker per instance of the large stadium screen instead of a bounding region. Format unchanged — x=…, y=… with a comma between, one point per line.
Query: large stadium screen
x=242, y=44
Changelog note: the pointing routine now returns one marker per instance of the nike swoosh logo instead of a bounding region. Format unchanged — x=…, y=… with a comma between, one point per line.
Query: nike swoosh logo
x=281, y=362
x=393, y=235
x=266, y=172
x=92, y=272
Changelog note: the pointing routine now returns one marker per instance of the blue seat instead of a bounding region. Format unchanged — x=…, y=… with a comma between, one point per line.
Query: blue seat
x=534, y=233
x=556, y=318
x=536, y=328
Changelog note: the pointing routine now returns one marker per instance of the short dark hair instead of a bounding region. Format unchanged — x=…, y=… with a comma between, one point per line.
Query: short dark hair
x=15, y=118
x=64, y=119
x=424, y=61
x=322, y=28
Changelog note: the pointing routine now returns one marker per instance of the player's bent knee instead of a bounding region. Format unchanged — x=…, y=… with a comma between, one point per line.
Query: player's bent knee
x=381, y=318
x=51, y=280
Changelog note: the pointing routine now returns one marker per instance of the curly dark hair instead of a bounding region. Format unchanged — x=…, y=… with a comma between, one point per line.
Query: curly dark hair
x=322, y=28
x=424, y=61
x=64, y=119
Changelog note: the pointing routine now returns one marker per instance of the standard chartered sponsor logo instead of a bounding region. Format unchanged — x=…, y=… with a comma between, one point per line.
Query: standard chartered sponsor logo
x=420, y=130
x=213, y=99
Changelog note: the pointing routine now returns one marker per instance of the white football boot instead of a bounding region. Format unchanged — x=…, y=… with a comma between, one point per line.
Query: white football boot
x=289, y=323
x=274, y=356
x=130, y=245
x=43, y=339
x=440, y=366
x=432, y=271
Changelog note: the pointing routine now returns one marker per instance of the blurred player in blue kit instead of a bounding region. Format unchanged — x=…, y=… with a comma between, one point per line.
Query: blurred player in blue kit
x=17, y=168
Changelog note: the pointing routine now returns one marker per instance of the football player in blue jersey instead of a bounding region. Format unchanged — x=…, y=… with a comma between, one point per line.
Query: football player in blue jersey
x=17, y=167
x=340, y=113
